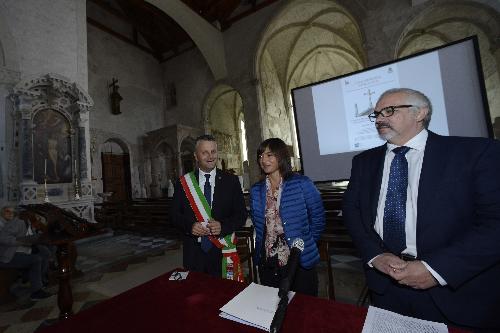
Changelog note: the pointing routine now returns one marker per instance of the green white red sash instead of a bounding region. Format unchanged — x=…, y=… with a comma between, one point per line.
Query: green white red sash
x=231, y=267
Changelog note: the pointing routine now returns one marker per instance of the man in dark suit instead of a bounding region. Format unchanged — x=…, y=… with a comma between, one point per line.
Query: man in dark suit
x=424, y=212
x=223, y=193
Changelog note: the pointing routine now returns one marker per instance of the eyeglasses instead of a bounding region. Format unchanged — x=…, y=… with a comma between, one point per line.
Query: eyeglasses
x=387, y=111
x=268, y=155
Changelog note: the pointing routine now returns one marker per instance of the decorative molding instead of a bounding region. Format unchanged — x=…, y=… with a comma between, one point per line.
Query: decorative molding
x=29, y=193
x=8, y=76
x=51, y=93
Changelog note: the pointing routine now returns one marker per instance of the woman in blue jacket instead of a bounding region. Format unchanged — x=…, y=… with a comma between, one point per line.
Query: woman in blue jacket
x=285, y=206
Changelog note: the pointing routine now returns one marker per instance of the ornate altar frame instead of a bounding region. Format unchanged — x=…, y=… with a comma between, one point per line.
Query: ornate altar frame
x=45, y=93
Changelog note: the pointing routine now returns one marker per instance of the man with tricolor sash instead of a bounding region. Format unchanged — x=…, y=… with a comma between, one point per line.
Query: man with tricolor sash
x=208, y=207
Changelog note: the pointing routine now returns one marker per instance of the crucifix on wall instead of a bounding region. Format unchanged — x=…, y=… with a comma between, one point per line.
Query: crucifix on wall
x=115, y=96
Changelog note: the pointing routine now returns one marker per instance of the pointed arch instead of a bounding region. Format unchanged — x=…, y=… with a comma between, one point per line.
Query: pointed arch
x=305, y=42
x=444, y=23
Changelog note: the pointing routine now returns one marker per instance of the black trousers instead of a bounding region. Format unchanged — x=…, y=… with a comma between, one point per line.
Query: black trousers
x=305, y=280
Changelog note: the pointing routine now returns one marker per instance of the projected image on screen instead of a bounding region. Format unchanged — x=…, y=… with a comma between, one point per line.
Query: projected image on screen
x=332, y=116
x=358, y=95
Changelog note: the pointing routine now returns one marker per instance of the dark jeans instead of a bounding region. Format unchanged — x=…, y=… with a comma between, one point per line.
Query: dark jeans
x=30, y=262
x=305, y=280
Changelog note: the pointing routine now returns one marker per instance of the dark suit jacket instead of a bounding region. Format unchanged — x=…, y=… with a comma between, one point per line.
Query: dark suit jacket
x=228, y=207
x=458, y=223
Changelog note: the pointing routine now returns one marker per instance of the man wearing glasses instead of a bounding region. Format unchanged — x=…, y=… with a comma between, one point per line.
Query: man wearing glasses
x=424, y=212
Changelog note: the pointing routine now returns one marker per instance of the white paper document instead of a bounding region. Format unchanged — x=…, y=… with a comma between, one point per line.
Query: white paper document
x=254, y=306
x=380, y=320
x=178, y=276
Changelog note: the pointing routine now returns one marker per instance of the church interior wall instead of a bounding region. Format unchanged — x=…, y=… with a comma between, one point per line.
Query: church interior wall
x=52, y=36
x=193, y=80
x=223, y=120
x=241, y=41
x=140, y=84
x=142, y=108
x=48, y=37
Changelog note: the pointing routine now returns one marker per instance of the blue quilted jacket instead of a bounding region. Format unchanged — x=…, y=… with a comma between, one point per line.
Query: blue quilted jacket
x=301, y=211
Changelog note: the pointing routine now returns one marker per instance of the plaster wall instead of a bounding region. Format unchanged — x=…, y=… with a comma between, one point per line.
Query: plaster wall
x=141, y=86
x=193, y=80
x=50, y=37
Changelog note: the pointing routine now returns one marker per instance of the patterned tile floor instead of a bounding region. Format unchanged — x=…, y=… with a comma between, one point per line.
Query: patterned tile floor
x=105, y=251
x=99, y=261
x=117, y=263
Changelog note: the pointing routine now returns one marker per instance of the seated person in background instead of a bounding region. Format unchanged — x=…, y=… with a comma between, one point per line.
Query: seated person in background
x=16, y=252
x=284, y=206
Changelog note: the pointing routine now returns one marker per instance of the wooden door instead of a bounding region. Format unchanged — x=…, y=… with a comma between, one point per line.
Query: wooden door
x=116, y=176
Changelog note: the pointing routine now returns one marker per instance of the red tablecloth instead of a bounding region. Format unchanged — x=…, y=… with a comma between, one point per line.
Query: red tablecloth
x=193, y=305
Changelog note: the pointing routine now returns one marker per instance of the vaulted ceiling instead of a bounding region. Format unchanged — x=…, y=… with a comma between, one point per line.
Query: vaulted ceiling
x=157, y=33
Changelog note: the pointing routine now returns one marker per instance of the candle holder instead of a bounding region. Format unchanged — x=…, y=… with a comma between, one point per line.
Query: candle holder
x=46, y=199
x=77, y=189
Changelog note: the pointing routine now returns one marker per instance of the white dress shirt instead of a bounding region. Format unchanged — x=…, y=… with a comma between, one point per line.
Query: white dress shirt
x=415, y=158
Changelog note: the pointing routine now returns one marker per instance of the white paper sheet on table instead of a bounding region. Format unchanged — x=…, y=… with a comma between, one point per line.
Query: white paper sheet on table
x=254, y=306
x=178, y=276
x=380, y=320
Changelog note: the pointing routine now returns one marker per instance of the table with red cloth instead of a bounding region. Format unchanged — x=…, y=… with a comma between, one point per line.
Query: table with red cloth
x=192, y=305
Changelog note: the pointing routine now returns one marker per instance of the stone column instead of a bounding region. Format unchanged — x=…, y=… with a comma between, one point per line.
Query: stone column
x=7, y=80
x=3, y=139
x=26, y=146
x=293, y=132
x=252, y=114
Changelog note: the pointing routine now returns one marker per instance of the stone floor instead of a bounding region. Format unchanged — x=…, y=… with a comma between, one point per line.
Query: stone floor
x=114, y=264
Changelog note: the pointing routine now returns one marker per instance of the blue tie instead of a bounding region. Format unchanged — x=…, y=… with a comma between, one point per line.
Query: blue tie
x=206, y=244
x=395, y=202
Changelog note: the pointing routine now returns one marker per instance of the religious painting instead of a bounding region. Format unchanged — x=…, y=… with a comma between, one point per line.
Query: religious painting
x=51, y=148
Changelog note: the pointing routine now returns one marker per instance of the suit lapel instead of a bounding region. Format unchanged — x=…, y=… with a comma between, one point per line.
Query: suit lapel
x=376, y=179
x=218, y=191
x=430, y=176
x=197, y=175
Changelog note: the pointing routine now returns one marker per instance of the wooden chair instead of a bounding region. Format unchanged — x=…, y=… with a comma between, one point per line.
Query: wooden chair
x=245, y=247
x=324, y=254
x=334, y=238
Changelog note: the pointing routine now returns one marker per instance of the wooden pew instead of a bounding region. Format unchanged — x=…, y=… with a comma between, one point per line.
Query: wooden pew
x=141, y=215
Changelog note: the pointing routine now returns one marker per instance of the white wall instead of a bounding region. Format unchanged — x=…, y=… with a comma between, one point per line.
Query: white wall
x=193, y=81
x=50, y=36
x=140, y=80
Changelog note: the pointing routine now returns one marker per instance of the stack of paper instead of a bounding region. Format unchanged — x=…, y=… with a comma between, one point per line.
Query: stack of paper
x=254, y=306
x=380, y=320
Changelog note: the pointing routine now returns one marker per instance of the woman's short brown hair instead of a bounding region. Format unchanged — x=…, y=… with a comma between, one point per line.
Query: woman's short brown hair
x=280, y=150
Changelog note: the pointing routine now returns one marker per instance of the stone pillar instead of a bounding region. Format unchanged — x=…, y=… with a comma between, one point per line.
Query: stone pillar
x=293, y=132
x=495, y=50
x=3, y=140
x=7, y=142
x=252, y=114
x=155, y=181
x=26, y=146
x=179, y=162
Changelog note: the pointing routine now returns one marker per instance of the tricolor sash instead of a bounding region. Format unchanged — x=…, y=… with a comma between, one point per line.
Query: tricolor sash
x=231, y=267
